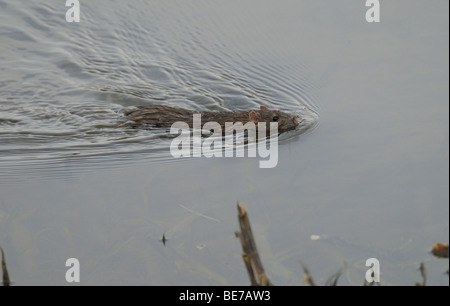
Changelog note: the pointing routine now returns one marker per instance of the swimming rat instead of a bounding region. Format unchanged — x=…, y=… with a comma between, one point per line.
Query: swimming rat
x=165, y=116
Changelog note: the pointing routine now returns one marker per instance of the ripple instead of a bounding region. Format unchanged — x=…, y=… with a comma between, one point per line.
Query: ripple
x=65, y=93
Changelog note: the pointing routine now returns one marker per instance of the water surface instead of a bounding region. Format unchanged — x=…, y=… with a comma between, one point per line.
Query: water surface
x=367, y=172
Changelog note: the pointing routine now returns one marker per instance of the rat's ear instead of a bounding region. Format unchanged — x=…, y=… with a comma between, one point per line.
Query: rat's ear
x=262, y=107
x=254, y=117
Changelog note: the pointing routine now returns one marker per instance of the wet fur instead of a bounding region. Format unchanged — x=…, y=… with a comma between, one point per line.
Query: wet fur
x=165, y=116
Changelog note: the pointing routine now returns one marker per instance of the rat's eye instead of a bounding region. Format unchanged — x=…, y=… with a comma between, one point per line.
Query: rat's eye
x=275, y=118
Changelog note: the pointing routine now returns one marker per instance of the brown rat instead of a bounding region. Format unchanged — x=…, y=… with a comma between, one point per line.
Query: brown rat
x=165, y=116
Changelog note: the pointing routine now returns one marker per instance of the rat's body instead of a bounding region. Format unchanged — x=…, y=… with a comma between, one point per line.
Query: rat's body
x=165, y=116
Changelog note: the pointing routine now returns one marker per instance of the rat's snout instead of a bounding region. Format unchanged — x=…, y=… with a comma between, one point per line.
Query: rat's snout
x=296, y=120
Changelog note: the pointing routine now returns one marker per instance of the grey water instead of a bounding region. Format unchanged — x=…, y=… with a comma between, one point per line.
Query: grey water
x=365, y=175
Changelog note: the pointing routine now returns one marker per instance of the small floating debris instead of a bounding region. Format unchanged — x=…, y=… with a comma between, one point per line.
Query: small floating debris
x=307, y=278
x=423, y=272
x=332, y=281
x=163, y=239
x=250, y=254
x=440, y=250
x=201, y=246
x=314, y=237
x=6, y=281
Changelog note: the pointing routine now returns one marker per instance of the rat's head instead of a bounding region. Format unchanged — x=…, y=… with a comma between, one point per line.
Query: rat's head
x=285, y=121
